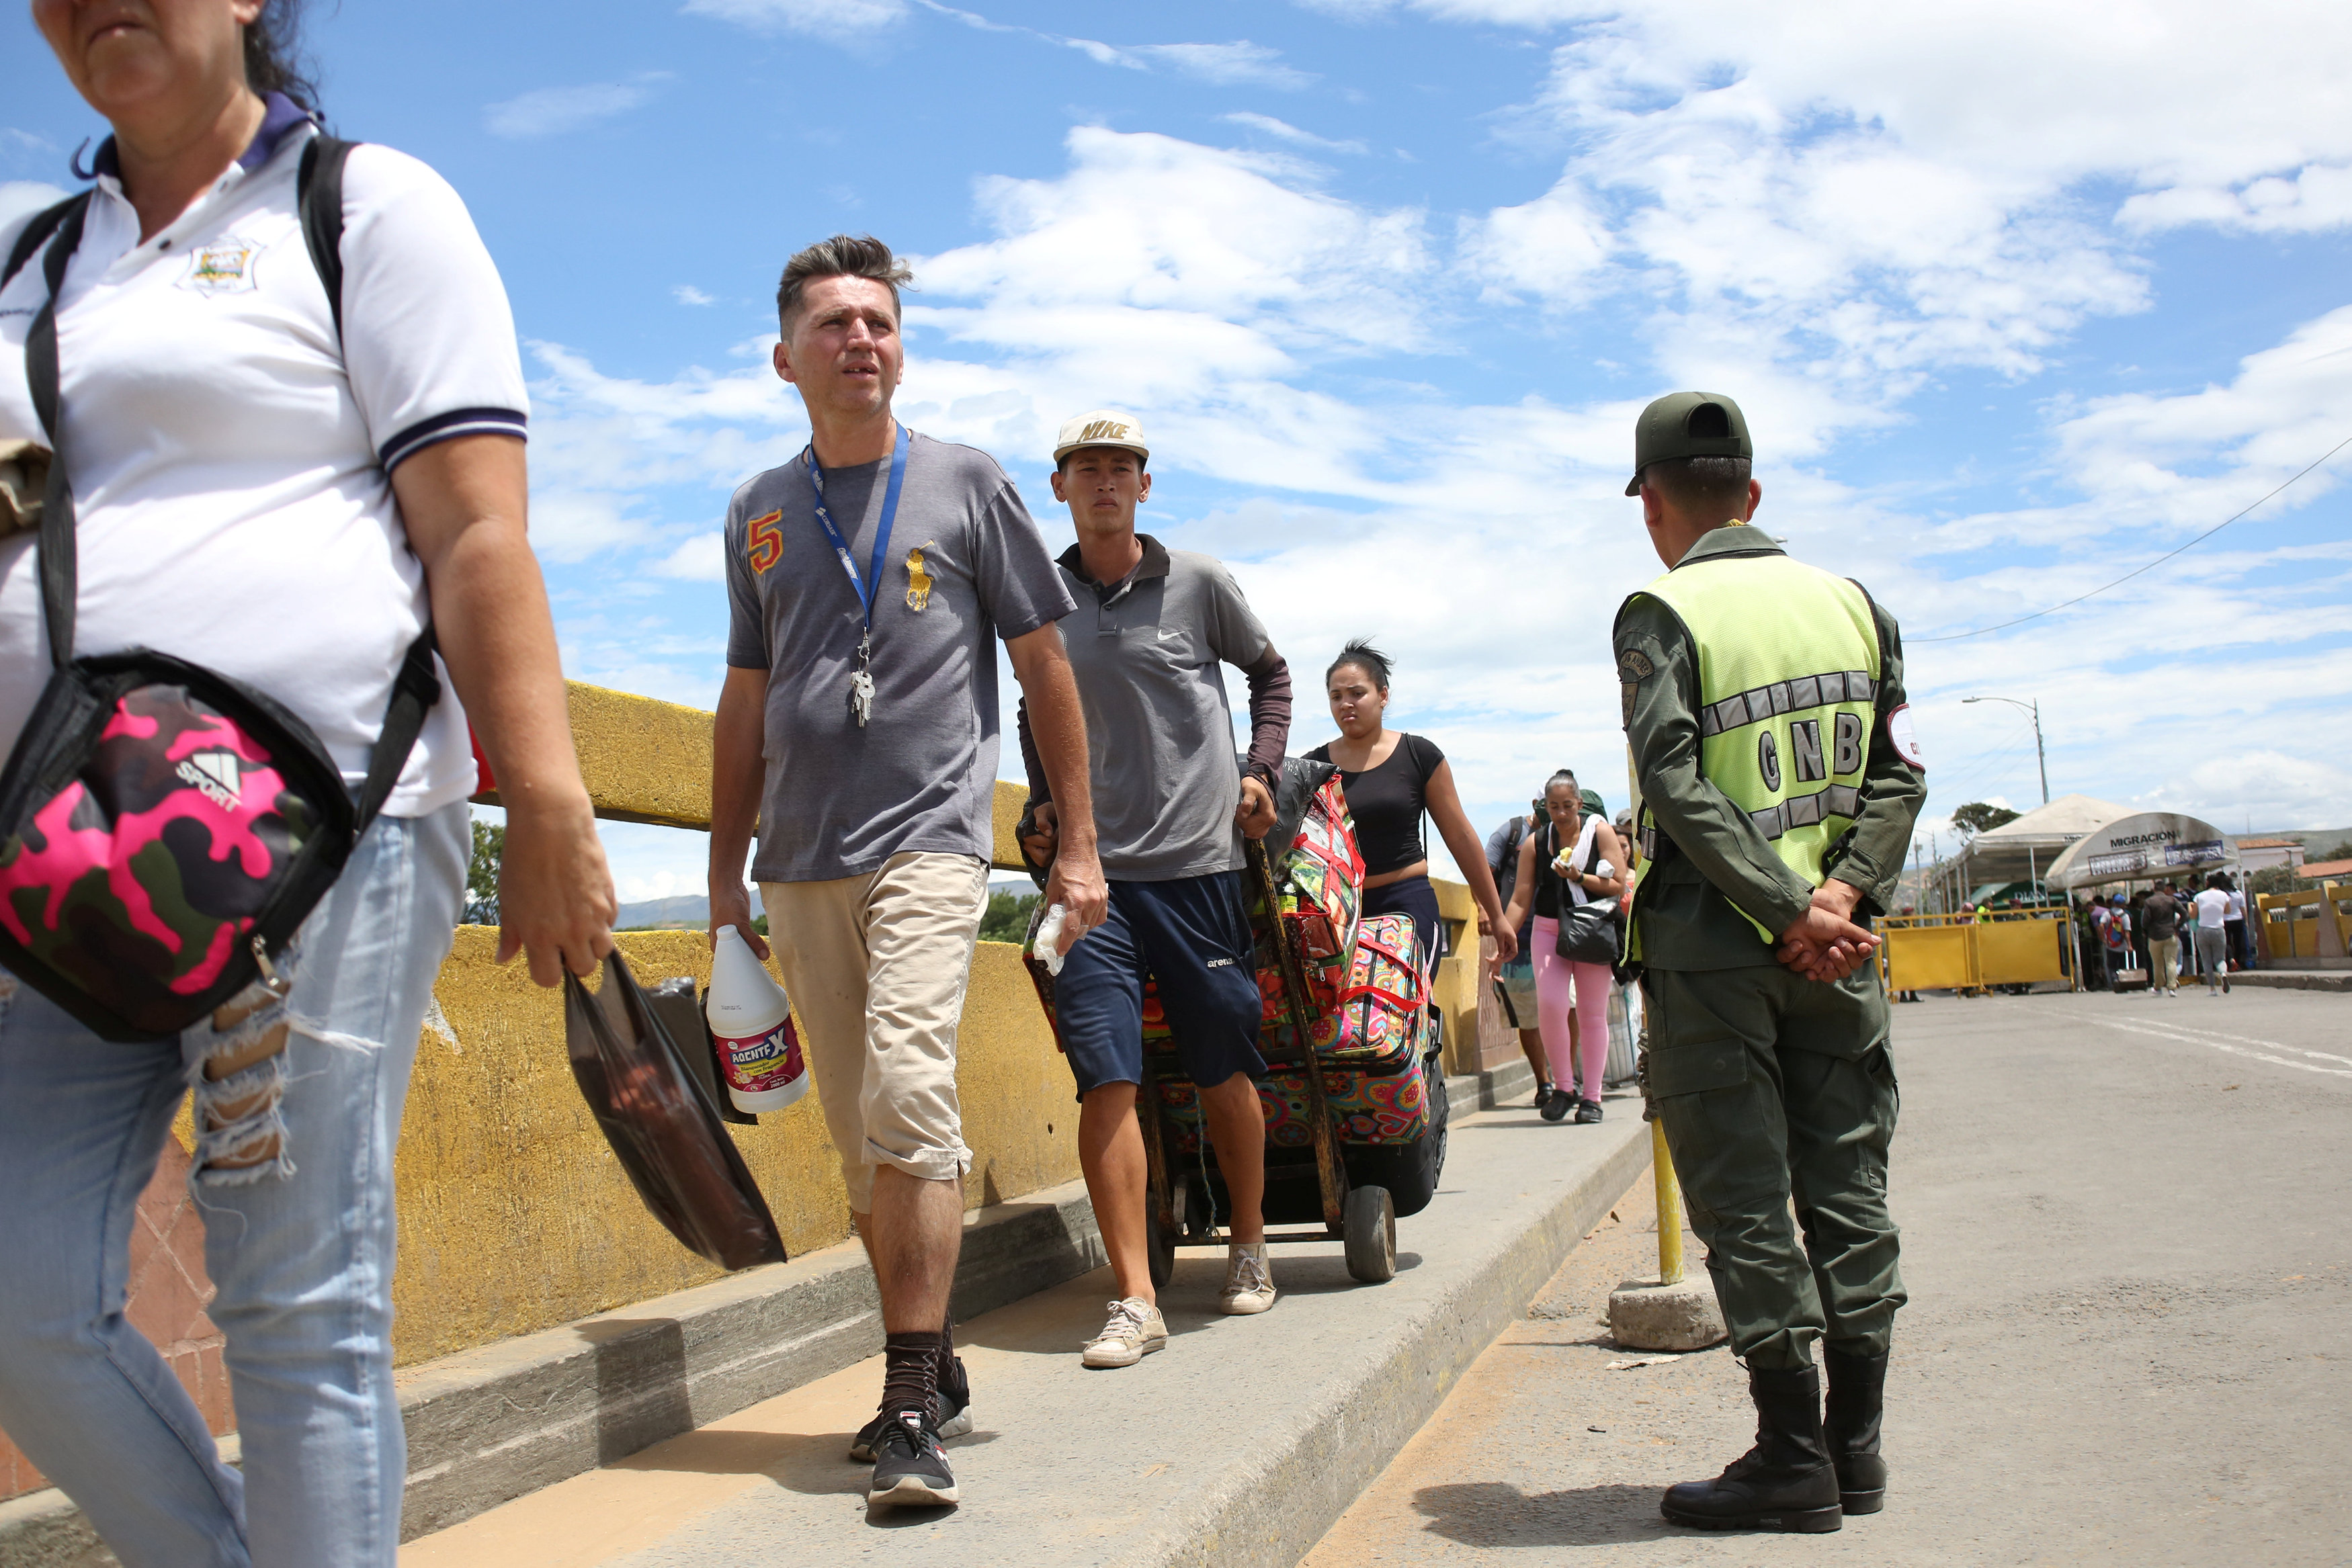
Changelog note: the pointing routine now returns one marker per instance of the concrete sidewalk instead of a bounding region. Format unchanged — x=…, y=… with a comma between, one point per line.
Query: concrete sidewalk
x=1238, y=1445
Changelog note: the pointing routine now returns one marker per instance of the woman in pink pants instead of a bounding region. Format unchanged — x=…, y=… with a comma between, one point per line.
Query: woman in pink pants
x=1577, y=859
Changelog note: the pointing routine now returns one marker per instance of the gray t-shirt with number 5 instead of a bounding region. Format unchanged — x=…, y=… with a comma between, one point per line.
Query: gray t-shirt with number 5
x=965, y=562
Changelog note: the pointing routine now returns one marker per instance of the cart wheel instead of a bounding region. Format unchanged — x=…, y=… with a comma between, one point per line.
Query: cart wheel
x=1368, y=1227
x=1161, y=1246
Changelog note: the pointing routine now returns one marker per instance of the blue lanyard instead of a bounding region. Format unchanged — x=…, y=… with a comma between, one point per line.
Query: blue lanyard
x=865, y=589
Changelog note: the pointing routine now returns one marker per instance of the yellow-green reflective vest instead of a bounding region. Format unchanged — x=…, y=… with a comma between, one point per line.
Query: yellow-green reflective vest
x=1788, y=678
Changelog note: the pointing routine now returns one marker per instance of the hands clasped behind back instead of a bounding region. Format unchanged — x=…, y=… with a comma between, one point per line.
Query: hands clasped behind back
x=1824, y=944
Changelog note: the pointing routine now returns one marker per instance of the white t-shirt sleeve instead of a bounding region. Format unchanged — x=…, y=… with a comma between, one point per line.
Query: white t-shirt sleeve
x=428, y=337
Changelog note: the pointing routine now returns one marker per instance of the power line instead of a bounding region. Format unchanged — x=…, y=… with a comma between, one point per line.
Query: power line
x=2159, y=561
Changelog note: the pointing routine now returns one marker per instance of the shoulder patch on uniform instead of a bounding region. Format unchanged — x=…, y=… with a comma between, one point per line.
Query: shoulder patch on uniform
x=1903, y=737
x=1633, y=665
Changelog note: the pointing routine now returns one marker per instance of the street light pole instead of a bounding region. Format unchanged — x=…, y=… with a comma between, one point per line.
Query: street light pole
x=2040, y=758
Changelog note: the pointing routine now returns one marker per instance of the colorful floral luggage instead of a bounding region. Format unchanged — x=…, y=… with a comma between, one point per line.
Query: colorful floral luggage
x=1369, y=1108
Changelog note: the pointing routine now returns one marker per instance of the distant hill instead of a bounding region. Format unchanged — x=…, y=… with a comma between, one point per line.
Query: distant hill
x=685, y=911
x=2310, y=838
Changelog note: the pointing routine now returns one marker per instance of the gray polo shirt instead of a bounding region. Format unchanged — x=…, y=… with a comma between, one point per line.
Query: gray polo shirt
x=965, y=562
x=1149, y=655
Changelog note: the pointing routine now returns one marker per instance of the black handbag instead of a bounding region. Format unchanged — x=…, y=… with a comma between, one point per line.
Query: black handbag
x=165, y=830
x=1588, y=933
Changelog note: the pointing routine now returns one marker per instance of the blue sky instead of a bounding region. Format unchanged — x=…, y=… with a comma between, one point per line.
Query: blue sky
x=2016, y=300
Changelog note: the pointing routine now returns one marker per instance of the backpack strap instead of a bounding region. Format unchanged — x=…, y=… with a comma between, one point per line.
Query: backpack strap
x=36, y=233
x=59, y=578
x=318, y=194
x=319, y=190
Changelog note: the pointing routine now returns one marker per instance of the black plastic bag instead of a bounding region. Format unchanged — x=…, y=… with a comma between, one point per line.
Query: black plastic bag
x=662, y=1123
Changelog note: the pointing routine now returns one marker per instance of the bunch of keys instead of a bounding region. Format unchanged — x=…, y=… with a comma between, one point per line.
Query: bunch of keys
x=861, y=685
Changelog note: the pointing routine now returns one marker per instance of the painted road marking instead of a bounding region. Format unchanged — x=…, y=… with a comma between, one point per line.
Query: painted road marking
x=2234, y=1044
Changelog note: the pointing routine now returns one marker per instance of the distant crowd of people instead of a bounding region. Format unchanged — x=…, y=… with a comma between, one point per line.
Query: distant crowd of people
x=2167, y=931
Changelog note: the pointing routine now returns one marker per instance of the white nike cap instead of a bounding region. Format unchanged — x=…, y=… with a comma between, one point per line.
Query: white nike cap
x=1102, y=427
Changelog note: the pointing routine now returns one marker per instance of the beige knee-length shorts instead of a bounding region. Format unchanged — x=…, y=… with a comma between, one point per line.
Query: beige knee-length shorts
x=876, y=965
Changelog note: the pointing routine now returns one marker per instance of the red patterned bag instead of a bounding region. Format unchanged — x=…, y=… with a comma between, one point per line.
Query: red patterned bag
x=1319, y=892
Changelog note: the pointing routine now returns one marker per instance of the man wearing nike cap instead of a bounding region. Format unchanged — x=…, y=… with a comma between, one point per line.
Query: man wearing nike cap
x=1148, y=643
x=1764, y=709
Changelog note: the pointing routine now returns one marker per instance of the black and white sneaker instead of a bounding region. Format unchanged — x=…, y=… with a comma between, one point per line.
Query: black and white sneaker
x=955, y=1414
x=910, y=1468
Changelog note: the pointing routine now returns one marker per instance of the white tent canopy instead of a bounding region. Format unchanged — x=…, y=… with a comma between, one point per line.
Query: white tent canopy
x=2148, y=846
x=2024, y=850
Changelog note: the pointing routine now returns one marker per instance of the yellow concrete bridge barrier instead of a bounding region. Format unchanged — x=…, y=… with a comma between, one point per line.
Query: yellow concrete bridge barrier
x=2307, y=923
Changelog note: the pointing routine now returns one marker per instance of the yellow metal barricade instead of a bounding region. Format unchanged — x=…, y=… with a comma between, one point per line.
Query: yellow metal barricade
x=2021, y=952
x=1928, y=953
x=1957, y=952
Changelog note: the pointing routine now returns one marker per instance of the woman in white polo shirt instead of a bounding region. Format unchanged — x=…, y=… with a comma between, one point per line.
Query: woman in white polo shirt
x=288, y=505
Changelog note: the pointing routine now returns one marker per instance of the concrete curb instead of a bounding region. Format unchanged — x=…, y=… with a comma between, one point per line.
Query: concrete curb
x=487, y=1425
x=2295, y=979
x=1269, y=1512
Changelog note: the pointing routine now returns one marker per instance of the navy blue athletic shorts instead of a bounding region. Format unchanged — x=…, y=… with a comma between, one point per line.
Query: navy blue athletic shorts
x=1191, y=936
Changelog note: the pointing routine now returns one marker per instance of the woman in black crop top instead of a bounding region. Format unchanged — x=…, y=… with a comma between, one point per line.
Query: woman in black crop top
x=1391, y=779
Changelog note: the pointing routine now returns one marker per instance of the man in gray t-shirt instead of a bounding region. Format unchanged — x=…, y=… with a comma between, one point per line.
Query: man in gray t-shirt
x=866, y=580
x=1150, y=639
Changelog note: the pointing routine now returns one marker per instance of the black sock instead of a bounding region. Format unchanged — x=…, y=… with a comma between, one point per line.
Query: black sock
x=945, y=1377
x=910, y=1374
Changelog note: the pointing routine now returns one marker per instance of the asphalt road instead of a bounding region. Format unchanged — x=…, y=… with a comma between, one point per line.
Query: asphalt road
x=2129, y=1244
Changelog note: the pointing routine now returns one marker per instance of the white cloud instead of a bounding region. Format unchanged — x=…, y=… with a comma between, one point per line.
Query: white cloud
x=1239, y=64
x=836, y=19
x=572, y=526
x=2162, y=94
x=2318, y=197
x=1284, y=131
x=552, y=111
x=701, y=558
x=688, y=294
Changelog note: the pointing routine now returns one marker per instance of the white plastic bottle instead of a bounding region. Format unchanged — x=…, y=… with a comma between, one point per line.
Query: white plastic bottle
x=758, y=1046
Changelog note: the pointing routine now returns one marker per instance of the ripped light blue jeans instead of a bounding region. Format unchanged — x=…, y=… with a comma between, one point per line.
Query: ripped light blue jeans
x=297, y=1198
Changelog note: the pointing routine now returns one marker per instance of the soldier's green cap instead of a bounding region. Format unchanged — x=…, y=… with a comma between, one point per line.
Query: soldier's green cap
x=1688, y=425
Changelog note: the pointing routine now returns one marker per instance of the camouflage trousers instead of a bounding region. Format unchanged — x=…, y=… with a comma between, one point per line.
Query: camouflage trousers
x=1778, y=1092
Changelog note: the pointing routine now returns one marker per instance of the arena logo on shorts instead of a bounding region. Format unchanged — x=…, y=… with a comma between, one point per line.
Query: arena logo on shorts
x=222, y=268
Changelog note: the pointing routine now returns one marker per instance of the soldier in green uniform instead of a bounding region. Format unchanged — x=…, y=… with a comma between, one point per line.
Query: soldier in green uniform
x=1763, y=703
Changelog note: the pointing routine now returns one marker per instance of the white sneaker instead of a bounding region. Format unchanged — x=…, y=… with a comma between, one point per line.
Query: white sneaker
x=1134, y=1331
x=1249, y=1284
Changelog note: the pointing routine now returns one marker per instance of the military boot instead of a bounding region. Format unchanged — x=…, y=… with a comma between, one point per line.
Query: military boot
x=1857, y=1393
x=1785, y=1481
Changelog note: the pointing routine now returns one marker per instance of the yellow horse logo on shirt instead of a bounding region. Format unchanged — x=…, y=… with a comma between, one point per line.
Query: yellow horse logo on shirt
x=918, y=581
